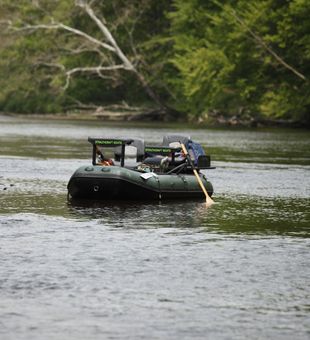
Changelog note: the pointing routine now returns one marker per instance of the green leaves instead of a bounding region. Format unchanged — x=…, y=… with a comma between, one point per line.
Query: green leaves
x=233, y=55
x=227, y=56
x=201, y=71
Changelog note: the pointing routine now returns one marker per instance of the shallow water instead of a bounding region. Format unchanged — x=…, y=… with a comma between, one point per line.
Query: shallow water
x=154, y=270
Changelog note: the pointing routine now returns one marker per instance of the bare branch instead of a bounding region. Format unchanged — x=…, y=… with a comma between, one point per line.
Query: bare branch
x=97, y=70
x=59, y=66
x=80, y=105
x=108, y=35
x=110, y=44
x=6, y=22
x=128, y=65
x=130, y=30
x=66, y=28
x=263, y=44
x=82, y=50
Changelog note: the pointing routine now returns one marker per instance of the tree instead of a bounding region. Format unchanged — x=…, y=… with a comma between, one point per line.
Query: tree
x=197, y=56
x=240, y=56
x=80, y=41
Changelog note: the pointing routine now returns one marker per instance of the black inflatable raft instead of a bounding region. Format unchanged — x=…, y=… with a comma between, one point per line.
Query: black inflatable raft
x=159, y=173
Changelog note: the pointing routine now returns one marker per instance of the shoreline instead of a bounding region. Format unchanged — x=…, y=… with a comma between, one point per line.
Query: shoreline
x=115, y=118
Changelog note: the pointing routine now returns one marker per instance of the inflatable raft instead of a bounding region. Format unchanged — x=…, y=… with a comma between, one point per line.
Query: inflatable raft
x=160, y=172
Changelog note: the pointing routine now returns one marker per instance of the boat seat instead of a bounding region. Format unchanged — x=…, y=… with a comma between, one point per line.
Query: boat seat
x=153, y=160
x=168, y=139
x=138, y=143
x=158, y=163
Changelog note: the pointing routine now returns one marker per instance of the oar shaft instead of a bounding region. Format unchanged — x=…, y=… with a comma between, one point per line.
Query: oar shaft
x=200, y=182
x=209, y=200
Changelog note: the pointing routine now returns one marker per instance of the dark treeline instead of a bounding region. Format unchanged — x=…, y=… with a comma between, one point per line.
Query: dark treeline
x=196, y=58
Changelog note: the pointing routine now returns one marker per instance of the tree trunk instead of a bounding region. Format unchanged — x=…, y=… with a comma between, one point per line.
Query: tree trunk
x=121, y=55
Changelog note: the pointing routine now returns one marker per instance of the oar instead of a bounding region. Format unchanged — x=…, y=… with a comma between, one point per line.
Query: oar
x=209, y=200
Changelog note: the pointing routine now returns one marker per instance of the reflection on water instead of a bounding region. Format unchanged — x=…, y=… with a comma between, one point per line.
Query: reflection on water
x=256, y=216
x=162, y=270
x=230, y=215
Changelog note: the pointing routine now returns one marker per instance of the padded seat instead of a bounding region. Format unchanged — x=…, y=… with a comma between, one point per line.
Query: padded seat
x=138, y=143
x=168, y=139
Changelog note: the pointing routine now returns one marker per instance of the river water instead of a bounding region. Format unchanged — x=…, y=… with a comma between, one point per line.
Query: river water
x=162, y=270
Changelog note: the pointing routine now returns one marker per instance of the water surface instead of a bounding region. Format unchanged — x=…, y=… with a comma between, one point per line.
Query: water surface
x=154, y=270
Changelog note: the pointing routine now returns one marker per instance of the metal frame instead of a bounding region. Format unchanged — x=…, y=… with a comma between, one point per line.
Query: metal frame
x=109, y=142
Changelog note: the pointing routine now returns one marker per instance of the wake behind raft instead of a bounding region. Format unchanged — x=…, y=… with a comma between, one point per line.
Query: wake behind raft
x=158, y=172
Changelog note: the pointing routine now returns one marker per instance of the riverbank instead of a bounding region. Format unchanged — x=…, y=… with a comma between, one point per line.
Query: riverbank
x=141, y=118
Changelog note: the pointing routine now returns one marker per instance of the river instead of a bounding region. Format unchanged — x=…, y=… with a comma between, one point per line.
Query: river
x=163, y=270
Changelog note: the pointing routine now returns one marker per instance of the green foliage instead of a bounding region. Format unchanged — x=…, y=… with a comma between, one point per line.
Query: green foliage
x=227, y=56
x=34, y=62
x=223, y=63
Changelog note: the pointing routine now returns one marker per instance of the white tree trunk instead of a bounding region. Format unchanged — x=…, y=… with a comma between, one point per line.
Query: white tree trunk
x=109, y=44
